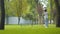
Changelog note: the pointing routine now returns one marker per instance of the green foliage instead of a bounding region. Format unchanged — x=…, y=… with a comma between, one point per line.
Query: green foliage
x=21, y=8
x=51, y=5
x=29, y=12
x=10, y=8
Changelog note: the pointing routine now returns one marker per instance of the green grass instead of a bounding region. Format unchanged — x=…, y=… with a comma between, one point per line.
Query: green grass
x=28, y=29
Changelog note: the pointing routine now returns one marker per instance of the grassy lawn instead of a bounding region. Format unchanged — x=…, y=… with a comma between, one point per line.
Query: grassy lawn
x=28, y=29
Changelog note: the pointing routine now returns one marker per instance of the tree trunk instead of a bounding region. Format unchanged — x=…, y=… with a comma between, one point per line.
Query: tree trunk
x=19, y=11
x=51, y=11
x=18, y=20
x=7, y=19
x=2, y=15
x=58, y=12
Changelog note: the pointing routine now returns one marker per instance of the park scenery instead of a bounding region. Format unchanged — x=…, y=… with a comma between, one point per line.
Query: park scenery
x=29, y=16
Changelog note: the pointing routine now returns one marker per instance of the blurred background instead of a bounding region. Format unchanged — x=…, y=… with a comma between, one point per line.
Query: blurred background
x=29, y=12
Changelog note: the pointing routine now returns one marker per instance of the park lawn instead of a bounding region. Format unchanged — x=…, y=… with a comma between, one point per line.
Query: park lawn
x=29, y=29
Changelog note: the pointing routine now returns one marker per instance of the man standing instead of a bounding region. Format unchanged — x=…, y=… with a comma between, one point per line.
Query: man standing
x=46, y=18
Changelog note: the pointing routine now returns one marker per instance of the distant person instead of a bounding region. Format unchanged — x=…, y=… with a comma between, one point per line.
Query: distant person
x=45, y=18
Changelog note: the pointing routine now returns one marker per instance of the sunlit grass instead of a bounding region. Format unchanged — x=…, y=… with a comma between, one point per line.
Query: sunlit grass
x=30, y=29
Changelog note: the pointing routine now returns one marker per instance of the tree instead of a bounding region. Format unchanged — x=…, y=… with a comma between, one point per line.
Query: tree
x=58, y=12
x=39, y=9
x=2, y=15
x=19, y=10
x=13, y=9
x=51, y=8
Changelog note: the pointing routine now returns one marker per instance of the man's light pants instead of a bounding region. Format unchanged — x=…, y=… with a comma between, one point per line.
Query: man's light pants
x=46, y=21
